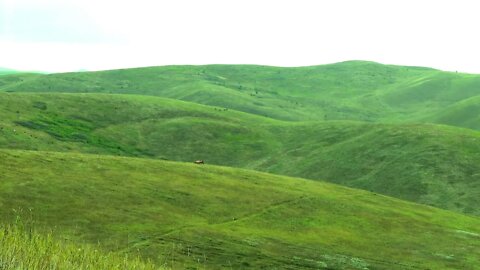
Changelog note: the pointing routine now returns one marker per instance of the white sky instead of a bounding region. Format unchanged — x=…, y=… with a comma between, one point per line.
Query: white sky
x=67, y=35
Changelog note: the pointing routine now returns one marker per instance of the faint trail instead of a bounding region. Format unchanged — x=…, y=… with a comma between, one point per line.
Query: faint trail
x=260, y=212
x=167, y=236
x=241, y=218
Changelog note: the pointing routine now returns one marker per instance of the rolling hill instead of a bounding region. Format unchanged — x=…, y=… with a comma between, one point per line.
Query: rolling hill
x=465, y=113
x=184, y=215
x=354, y=90
x=424, y=163
x=97, y=157
x=4, y=71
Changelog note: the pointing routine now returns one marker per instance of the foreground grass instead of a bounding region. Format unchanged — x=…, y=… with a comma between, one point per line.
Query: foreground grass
x=184, y=215
x=25, y=249
x=429, y=164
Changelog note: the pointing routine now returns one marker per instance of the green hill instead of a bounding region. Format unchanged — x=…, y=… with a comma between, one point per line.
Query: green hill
x=429, y=164
x=96, y=156
x=4, y=71
x=186, y=215
x=465, y=113
x=354, y=90
x=13, y=80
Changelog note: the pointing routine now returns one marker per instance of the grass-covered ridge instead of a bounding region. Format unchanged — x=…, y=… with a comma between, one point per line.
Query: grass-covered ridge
x=188, y=215
x=4, y=71
x=355, y=90
x=430, y=164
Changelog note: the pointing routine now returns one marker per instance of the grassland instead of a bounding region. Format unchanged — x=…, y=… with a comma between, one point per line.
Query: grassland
x=184, y=215
x=355, y=90
x=22, y=248
x=4, y=71
x=429, y=164
x=97, y=158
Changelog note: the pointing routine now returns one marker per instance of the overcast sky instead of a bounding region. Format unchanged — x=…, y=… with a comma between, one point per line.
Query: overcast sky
x=69, y=35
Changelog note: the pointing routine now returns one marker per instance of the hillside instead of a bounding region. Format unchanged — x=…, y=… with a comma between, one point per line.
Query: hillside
x=4, y=71
x=465, y=113
x=12, y=80
x=429, y=164
x=185, y=215
x=355, y=90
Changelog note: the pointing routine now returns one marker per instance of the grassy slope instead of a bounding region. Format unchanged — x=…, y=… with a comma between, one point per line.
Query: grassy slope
x=465, y=113
x=8, y=81
x=218, y=217
x=353, y=90
x=435, y=165
x=23, y=248
x=4, y=71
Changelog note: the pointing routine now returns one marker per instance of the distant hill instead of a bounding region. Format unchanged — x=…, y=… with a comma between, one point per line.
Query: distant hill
x=354, y=90
x=430, y=164
x=7, y=71
x=4, y=71
x=465, y=113
x=190, y=216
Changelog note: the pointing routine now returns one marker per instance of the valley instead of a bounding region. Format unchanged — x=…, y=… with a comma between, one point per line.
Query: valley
x=353, y=165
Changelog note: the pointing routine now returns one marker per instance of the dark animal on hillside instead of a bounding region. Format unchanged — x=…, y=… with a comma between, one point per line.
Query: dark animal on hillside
x=199, y=162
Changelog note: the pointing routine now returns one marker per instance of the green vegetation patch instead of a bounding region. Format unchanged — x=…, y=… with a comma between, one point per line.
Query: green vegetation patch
x=22, y=248
x=430, y=164
x=185, y=215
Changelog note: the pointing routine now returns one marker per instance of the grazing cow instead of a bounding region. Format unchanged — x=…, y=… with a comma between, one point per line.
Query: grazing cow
x=199, y=162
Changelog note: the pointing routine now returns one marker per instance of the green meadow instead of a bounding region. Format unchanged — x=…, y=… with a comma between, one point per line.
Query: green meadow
x=354, y=165
x=183, y=215
x=354, y=90
x=430, y=164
